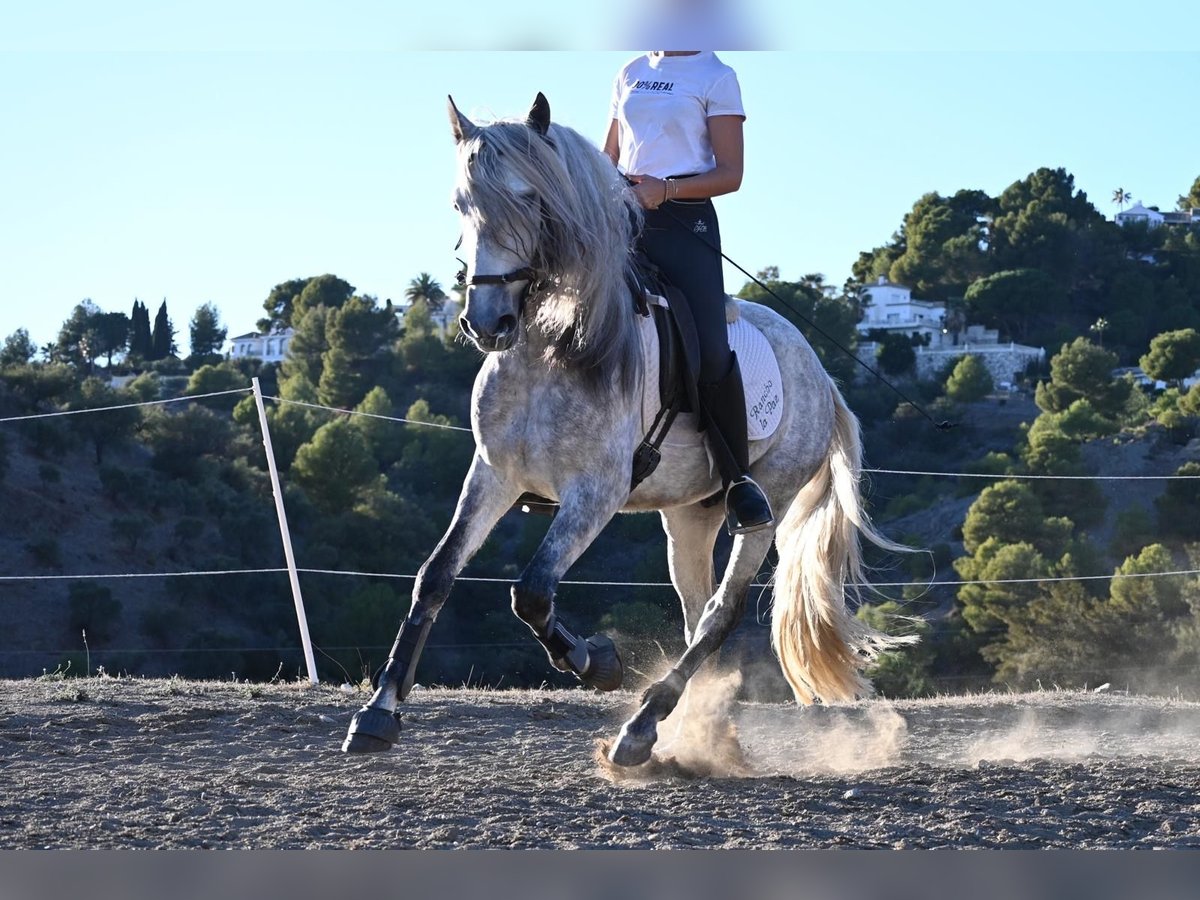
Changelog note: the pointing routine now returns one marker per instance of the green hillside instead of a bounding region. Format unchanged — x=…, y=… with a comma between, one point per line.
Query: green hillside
x=173, y=487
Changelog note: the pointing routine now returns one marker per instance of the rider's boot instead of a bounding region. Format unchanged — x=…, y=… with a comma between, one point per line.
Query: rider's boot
x=746, y=506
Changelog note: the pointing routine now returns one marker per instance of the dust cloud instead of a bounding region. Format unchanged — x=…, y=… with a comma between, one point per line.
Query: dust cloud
x=713, y=734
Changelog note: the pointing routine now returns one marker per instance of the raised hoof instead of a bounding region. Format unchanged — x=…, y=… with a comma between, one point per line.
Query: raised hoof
x=605, y=672
x=632, y=748
x=372, y=730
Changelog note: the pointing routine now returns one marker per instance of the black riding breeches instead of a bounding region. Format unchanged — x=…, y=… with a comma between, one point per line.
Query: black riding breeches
x=683, y=239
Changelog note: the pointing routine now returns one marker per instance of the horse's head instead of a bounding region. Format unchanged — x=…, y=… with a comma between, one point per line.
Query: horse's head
x=548, y=228
x=502, y=219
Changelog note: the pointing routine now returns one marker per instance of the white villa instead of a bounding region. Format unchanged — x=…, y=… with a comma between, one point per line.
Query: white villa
x=270, y=348
x=1153, y=218
x=892, y=308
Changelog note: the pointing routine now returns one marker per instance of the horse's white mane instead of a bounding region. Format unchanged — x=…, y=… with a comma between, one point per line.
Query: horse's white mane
x=589, y=220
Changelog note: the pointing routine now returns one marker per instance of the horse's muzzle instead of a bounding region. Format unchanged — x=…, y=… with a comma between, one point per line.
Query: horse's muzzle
x=498, y=337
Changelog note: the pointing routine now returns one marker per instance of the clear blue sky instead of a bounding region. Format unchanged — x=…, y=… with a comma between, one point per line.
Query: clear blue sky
x=206, y=152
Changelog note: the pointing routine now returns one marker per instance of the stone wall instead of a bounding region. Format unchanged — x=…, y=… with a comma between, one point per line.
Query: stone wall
x=1005, y=362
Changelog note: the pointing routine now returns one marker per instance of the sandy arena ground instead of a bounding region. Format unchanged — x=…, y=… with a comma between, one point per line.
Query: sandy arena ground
x=125, y=762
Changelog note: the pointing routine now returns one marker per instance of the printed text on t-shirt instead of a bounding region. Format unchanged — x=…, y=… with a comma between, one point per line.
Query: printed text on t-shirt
x=653, y=85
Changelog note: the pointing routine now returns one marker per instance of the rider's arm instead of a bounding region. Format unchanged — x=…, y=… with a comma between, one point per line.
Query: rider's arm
x=612, y=143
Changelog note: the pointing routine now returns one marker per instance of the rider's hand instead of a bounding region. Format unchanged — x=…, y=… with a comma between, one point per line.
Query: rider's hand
x=650, y=191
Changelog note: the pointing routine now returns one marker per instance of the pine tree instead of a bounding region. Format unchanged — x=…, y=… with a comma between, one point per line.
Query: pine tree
x=335, y=467
x=340, y=386
x=385, y=438
x=206, y=331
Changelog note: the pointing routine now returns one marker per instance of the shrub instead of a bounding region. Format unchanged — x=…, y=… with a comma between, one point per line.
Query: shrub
x=970, y=381
x=131, y=530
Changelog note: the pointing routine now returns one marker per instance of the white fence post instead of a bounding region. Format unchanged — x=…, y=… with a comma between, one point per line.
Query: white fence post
x=301, y=619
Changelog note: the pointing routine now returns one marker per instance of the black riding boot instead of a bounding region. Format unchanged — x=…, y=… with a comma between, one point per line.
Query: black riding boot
x=746, y=506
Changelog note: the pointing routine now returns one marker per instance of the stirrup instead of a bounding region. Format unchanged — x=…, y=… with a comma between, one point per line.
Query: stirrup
x=747, y=508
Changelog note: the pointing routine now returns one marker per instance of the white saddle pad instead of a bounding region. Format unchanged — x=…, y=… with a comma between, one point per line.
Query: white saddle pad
x=761, y=380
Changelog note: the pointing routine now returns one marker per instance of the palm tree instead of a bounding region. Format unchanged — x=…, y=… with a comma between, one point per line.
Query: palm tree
x=1121, y=197
x=425, y=287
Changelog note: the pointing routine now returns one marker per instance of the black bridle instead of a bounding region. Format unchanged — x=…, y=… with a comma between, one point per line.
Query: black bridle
x=526, y=273
x=534, y=281
x=534, y=277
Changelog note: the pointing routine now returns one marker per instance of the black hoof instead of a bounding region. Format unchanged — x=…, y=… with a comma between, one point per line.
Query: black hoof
x=372, y=730
x=604, y=672
x=364, y=743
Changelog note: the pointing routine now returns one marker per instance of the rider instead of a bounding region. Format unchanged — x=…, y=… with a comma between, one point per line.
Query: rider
x=676, y=134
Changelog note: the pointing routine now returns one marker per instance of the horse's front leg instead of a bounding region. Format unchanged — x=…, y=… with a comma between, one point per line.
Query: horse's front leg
x=584, y=509
x=721, y=613
x=484, y=499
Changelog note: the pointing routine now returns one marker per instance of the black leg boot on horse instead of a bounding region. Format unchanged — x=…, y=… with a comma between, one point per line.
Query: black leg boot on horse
x=376, y=727
x=746, y=506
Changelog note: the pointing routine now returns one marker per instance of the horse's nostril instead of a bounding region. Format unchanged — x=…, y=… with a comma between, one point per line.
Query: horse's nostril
x=465, y=325
x=506, y=325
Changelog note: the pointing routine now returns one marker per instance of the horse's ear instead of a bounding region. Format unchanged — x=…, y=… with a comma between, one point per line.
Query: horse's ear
x=460, y=125
x=539, y=115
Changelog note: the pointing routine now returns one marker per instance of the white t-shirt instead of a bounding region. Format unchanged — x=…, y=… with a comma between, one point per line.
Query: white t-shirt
x=662, y=104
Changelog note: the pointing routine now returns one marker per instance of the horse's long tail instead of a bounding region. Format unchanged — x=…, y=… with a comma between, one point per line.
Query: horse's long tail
x=822, y=648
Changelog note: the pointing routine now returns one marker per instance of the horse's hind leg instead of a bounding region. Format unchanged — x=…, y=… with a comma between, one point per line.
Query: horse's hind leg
x=720, y=616
x=483, y=500
x=691, y=534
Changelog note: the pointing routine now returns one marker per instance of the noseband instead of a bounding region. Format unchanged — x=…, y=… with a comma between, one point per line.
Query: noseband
x=528, y=273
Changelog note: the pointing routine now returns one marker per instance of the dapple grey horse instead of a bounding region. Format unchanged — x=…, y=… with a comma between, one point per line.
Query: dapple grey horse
x=548, y=226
